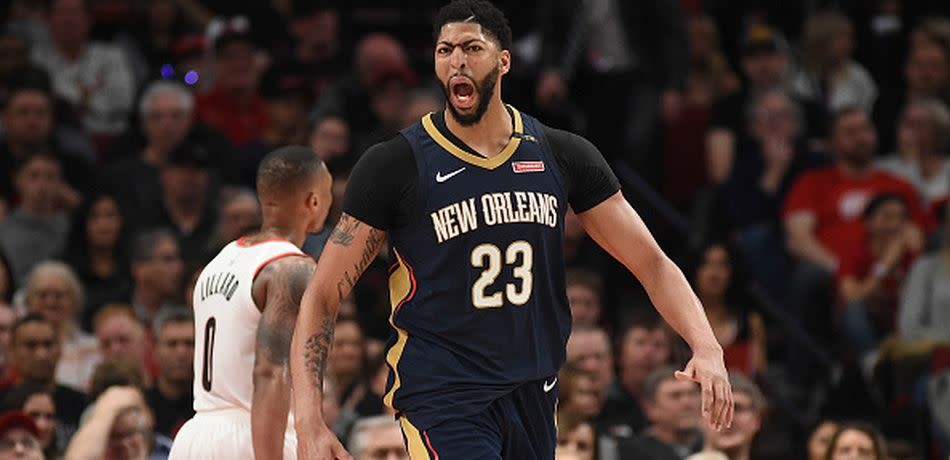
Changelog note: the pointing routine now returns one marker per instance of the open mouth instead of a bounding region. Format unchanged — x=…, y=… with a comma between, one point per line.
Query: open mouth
x=463, y=92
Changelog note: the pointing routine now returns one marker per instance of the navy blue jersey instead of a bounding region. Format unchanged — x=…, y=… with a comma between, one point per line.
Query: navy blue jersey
x=477, y=291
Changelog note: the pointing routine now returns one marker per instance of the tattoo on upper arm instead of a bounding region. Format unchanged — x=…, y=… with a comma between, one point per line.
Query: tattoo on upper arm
x=316, y=350
x=345, y=230
x=373, y=242
x=285, y=290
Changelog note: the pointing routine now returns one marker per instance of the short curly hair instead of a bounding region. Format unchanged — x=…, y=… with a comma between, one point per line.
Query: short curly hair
x=479, y=12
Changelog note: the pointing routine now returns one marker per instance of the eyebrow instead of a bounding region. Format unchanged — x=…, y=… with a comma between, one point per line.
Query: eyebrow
x=466, y=42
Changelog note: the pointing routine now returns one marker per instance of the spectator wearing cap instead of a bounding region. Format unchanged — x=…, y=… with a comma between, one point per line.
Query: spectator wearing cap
x=926, y=74
x=171, y=397
x=288, y=100
x=28, y=127
x=923, y=140
x=316, y=53
x=186, y=208
x=36, y=352
x=19, y=437
x=37, y=402
x=233, y=105
x=765, y=66
x=36, y=229
x=828, y=73
x=95, y=78
x=370, y=97
x=156, y=273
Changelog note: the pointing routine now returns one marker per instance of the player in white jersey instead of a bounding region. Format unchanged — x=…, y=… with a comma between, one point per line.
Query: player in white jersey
x=245, y=303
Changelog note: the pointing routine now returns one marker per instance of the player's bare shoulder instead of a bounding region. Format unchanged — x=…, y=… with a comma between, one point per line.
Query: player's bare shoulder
x=283, y=282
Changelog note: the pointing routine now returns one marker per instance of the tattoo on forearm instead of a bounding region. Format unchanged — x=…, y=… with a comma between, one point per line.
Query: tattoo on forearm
x=373, y=241
x=315, y=354
x=345, y=230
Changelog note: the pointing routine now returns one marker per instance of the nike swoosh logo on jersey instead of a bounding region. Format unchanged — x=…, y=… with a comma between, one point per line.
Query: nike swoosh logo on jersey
x=548, y=386
x=440, y=178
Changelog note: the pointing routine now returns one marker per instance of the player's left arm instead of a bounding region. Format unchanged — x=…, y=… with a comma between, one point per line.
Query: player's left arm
x=279, y=288
x=616, y=227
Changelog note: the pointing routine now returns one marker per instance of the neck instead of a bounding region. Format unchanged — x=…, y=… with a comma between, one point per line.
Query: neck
x=171, y=389
x=154, y=156
x=854, y=170
x=739, y=453
x=493, y=130
x=43, y=212
x=672, y=436
x=270, y=230
x=150, y=299
x=70, y=49
x=631, y=381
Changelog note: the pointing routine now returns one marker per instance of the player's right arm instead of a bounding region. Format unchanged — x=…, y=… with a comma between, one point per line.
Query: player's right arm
x=352, y=246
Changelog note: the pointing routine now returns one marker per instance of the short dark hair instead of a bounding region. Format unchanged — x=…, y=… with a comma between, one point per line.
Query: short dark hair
x=29, y=79
x=845, y=111
x=170, y=315
x=287, y=169
x=31, y=318
x=587, y=278
x=881, y=200
x=641, y=318
x=144, y=243
x=479, y=12
x=17, y=397
x=880, y=445
x=656, y=378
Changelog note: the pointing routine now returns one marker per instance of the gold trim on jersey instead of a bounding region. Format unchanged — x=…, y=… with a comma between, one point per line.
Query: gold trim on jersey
x=402, y=286
x=415, y=443
x=461, y=154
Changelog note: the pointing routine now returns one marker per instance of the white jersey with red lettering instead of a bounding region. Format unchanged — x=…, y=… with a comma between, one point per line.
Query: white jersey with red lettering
x=226, y=320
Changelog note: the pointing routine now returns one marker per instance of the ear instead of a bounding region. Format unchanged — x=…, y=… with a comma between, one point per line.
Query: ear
x=504, y=61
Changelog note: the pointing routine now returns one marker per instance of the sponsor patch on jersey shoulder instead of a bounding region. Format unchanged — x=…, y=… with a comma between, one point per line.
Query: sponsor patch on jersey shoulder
x=527, y=166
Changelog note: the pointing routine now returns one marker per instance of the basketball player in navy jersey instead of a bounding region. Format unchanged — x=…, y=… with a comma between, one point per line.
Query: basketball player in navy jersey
x=472, y=200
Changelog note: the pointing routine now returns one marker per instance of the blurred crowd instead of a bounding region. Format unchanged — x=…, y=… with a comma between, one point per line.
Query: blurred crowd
x=791, y=156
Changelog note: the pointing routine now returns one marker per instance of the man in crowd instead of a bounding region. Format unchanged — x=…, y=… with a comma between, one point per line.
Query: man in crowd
x=750, y=407
x=186, y=203
x=171, y=396
x=377, y=437
x=121, y=337
x=156, y=273
x=673, y=409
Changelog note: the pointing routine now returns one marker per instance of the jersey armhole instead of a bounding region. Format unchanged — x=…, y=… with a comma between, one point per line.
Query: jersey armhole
x=261, y=267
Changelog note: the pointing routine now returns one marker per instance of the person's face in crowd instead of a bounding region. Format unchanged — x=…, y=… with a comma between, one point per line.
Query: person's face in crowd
x=164, y=270
x=28, y=118
x=128, y=439
x=417, y=108
x=104, y=224
x=675, y=406
x=52, y=298
x=853, y=445
x=7, y=318
x=36, y=350
x=775, y=118
x=175, y=351
x=233, y=67
x=820, y=440
x=316, y=34
x=590, y=351
x=469, y=64
x=888, y=220
x=19, y=444
x=584, y=398
x=746, y=422
x=765, y=69
x=161, y=14
x=927, y=69
x=854, y=140
x=14, y=54
x=388, y=101
x=239, y=216
x=69, y=21
x=166, y=122
x=121, y=338
x=184, y=184
x=37, y=182
x=714, y=274
x=916, y=132
x=643, y=350
x=42, y=410
x=346, y=355
x=384, y=444
x=330, y=138
x=576, y=444
x=287, y=114
x=585, y=304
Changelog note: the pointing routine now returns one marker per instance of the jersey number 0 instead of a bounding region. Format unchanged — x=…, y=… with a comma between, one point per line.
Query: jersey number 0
x=207, y=366
x=488, y=257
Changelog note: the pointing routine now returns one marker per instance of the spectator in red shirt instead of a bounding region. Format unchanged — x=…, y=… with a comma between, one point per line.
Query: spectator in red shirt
x=871, y=273
x=822, y=217
x=234, y=105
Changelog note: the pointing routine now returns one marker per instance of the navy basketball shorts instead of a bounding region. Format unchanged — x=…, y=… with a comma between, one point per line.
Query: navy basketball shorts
x=517, y=426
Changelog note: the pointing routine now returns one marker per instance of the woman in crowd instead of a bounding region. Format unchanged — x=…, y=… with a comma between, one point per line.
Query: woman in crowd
x=347, y=365
x=576, y=439
x=37, y=402
x=96, y=251
x=857, y=441
x=820, y=439
x=54, y=292
x=740, y=332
